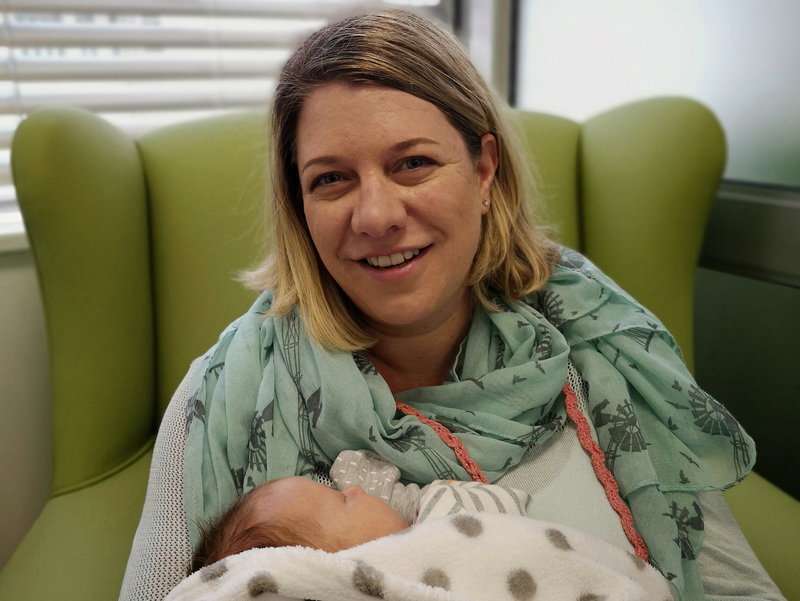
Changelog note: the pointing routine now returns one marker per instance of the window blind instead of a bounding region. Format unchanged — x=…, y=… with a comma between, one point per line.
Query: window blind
x=146, y=63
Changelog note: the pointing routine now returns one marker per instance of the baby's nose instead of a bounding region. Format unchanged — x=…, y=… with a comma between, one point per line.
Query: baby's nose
x=353, y=491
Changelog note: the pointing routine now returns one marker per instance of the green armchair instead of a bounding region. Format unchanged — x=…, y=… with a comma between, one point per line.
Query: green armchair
x=138, y=243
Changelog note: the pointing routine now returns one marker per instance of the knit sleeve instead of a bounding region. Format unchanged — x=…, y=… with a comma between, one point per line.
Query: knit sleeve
x=161, y=550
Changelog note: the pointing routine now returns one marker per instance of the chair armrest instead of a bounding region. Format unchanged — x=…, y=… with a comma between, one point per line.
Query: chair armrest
x=770, y=520
x=79, y=545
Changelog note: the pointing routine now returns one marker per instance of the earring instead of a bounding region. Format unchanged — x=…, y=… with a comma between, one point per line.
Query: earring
x=486, y=202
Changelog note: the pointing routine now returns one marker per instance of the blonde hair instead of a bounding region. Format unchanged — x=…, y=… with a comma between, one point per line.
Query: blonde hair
x=399, y=50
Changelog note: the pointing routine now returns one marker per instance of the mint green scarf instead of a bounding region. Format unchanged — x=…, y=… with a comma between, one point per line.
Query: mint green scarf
x=267, y=402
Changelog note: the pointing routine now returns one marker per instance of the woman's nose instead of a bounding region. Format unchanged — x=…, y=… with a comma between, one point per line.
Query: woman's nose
x=380, y=208
x=353, y=491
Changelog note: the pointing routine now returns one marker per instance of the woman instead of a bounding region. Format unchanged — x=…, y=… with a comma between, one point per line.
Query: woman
x=409, y=289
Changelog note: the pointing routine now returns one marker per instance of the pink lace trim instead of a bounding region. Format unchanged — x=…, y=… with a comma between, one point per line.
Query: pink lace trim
x=473, y=469
x=587, y=442
x=603, y=474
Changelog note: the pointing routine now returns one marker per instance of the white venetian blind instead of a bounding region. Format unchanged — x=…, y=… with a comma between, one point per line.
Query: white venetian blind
x=145, y=63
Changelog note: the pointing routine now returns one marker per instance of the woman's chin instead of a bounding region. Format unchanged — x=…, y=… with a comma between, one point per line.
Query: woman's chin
x=387, y=322
x=411, y=317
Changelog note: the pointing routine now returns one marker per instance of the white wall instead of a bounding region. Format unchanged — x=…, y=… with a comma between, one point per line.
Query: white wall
x=24, y=401
x=739, y=57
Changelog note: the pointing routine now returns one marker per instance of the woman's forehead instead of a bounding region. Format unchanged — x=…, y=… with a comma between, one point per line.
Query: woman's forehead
x=337, y=115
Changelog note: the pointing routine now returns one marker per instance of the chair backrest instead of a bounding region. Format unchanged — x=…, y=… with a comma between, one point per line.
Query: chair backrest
x=138, y=243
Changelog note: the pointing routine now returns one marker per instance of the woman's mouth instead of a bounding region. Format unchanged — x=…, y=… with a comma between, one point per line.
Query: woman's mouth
x=389, y=261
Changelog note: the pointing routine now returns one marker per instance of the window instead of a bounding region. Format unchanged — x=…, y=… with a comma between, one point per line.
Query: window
x=145, y=63
x=739, y=57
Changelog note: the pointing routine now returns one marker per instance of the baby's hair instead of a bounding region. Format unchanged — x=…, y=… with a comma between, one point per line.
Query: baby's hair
x=236, y=530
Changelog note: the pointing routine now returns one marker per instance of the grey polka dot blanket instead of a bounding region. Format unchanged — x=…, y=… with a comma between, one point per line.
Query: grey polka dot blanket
x=489, y=557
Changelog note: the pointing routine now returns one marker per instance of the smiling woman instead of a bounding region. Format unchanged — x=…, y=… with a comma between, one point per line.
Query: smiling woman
x=413, y=309
x=428, y=80
x=387, y=192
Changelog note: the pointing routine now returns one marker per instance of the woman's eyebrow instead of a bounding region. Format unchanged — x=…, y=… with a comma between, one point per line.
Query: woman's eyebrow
x=399, y=147
x=406, y=144
x=323, y=160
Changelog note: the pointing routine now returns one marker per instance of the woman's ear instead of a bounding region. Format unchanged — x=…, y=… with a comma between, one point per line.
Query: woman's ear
x=487, y=166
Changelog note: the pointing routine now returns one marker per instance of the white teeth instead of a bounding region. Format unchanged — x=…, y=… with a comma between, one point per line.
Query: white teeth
x=392, y=260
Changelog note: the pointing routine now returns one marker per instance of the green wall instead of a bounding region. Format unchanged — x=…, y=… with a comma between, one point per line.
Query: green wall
x=747, y=355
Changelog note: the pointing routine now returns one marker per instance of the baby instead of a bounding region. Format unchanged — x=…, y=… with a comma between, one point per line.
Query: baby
x=296, y=511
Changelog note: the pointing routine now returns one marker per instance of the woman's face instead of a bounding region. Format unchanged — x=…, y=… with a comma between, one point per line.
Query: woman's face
x=393, y=202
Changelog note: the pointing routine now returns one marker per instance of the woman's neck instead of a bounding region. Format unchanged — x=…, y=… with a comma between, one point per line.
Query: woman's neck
x=410, y=360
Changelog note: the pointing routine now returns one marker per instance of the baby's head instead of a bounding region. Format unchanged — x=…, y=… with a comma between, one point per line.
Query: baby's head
x=296, y=511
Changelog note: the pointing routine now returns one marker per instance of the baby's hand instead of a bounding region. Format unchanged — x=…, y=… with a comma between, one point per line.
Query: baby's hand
x=367, y=470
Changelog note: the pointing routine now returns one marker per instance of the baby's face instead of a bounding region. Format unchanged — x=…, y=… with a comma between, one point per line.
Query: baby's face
x=346, y=518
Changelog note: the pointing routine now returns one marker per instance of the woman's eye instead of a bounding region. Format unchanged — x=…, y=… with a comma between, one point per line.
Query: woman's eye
x=415, y=163
x=327, y=179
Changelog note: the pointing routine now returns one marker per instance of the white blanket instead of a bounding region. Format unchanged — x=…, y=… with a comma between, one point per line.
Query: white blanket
x=487, y=557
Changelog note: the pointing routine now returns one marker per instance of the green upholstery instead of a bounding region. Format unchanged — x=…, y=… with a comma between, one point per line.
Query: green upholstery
x=91, y=246
x=206, y=186
x=770, y=519
x=138, y=242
